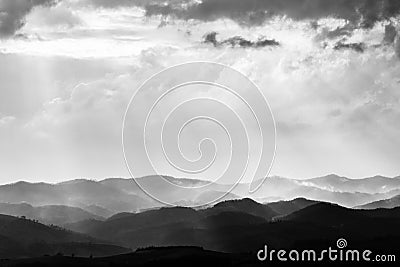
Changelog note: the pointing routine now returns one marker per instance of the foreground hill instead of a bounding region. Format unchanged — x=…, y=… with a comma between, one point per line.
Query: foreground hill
x=334, y=215
x=165, y=256
x=177, y=225
x=287, y=207
x=245, y=225
x=25, y=238
x=173, y=256
x=245, y=205
x=236, y=226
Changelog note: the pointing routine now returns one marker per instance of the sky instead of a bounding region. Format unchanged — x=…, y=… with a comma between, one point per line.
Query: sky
x=330, y=71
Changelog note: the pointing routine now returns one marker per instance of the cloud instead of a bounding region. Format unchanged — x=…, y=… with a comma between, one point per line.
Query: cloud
x=349, y=101
x=324, y=103
x=392, y=37
x=29, y=81
x=5, y=120
x=238, y=41
x=114, y=3
x=57, y=16
x=255, y=12
x=13, y=12
x=211, y=38
x=390, y=34
x=358, y=47
x=334, y=111
x=397, y=46
x=338, y=32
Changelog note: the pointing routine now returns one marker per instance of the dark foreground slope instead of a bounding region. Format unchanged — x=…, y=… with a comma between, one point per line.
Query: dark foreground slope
x=26, y=238
x=174, y=256
x=245, y=226
x=239, y=226
x=167, y=256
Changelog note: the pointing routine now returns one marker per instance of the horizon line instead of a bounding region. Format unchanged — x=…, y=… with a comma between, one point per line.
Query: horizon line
x=194, y=179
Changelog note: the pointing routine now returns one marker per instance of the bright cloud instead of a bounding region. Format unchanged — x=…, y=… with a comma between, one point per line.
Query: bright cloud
x=68, y=72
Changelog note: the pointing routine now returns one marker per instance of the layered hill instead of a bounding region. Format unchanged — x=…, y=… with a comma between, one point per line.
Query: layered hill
x=48, y=214
x=245, y=225
x=385, y=203
x=21, y=237
x=106, y=197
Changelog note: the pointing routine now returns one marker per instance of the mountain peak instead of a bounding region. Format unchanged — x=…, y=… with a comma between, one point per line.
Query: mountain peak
x=332, y=176
x=246, y=205
x=243, y=201
x=77, y=181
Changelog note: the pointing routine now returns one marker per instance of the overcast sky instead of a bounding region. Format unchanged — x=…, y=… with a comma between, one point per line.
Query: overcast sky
x=329, y=69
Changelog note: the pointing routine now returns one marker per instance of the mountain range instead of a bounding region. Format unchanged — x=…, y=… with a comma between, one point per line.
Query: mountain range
x=48, y=214
x=232, y=226
x=113, y=216
x=244, y=225
x=106, y=197
x=385, y=203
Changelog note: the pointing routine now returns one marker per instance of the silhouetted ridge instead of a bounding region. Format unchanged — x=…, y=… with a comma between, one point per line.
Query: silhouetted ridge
x=26, y=238
x=232, y=218
x=325, y=213
x=290, y=206
x=245, y=205
x=48, y=214
x=386, y=203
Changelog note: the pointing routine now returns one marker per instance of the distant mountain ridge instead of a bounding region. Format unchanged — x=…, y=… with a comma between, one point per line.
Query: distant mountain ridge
x=371, y=185
x=78, y=193
x=385, y=203
x=109, y=196
x=48, y=214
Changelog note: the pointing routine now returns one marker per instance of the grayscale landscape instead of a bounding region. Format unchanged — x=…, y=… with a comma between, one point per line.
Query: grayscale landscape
x=199, y=132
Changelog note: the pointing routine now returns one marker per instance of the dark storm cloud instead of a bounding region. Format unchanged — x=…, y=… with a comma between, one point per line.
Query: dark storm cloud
x=390, y=34
x=211, y=38
x=13, y=12
x=397, y=46
x=130, y=3
x=339, y=32
x=253, y=12
x=238, y=41
x=358, y=47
